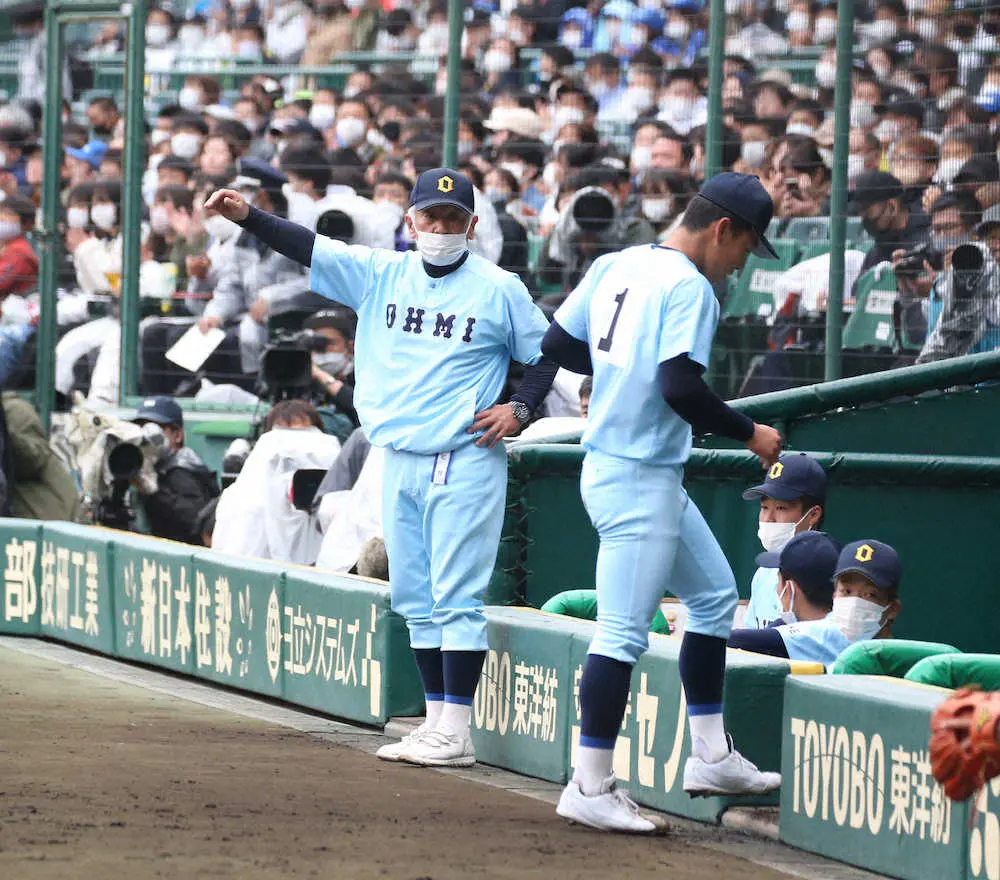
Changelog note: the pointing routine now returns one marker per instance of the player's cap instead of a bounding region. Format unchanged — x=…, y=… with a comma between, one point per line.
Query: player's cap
x=873, y=188
x=91, y=152
x=254, y=174
x=162, y=410
x=743, y=196
x=443, y=186
x=790, y=477
x=809, y=559
x=876, y=561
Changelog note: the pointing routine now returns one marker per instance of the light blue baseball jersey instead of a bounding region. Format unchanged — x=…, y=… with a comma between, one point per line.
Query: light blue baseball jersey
x=764, y=606
x=817, y=640
x=635, y=309
x=429, y=352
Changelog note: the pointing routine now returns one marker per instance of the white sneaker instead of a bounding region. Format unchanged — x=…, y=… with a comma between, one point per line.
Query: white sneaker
x=733, y=775
x=394, y=751
x=611, y=810
x=440, y=748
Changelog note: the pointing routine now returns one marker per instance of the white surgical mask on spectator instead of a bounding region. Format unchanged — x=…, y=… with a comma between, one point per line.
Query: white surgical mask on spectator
x=496, y=61
x=240, y=4
x=572, y=39
x=788, y=617
x=322, y=116
x=797, y=21
x=855, y=166
x=465, y=148
x=515, y=168
x=657, y=208
x=442, y=248
x=856, y=618
x=351, y=131
x=800, y=128
x=249, y=50
x=914, y=6
x=678, y=29
x=825, y=30
x=495, y=194
x=826, y=74
x=863, y=114
x=887, y=131
x=927, y=29
x=881, y=30
x=77, y=217
x=566, y=116
x=158, y=136
x=640, y=98
x=677, y=107
x=332, y=362
x=159, y=219
x=219, y=228
x=641, y=157
x=948, y=170
x=752, y=152
x=191, y=37
x=104, y=216
x=157, y=34
x=185, y=144
x=189, y=98
x=9, y=229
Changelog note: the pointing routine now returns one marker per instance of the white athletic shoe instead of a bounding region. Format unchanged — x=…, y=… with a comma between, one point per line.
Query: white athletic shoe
x=611, y=810
x=733, y=775
x=439, y=748
x=394, y=751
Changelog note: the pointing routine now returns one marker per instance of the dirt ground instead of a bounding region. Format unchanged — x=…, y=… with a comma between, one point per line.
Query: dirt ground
x=100, y=779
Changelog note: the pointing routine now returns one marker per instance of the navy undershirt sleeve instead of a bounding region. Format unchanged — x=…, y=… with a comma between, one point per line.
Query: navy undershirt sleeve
x=287, y=238
x=686, y=393
x=566, y=350
x=536, y=383
x=760, y=641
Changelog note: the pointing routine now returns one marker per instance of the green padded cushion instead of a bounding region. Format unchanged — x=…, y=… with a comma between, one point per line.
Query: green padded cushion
x=956, y=670
x=583, y=605
x=893, y=657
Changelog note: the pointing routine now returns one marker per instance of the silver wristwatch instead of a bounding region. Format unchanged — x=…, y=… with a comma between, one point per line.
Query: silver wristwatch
x=521, y=412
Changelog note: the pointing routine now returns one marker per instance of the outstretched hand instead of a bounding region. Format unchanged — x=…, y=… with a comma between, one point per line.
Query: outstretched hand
x=230, y=204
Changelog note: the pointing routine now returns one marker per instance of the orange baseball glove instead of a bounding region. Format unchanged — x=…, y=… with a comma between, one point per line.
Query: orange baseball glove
x=965, y=752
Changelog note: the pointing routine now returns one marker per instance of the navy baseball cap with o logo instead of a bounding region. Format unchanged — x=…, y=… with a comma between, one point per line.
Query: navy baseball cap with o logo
x=743, y=196
x=789, y=478
x=443, y=186
x=875, y=560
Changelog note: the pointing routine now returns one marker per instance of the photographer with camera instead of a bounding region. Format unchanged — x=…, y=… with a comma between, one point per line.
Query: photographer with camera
x=333, y=367
x=963, y=312
x=894, y=222
x=184, y=483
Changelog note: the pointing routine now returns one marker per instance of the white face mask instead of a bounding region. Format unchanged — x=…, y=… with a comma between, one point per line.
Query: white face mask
x=77, y=217
x=515, y=168
x=158, y=136
x=800, y=128
x=157, y=34
x=826, y=73
x=640, y=98
x=855, y=166
x=825, y=30
x=788, y=617
x=442, y=249
x=219, y=228
x=322, y=116
x=641, y=157
x=249, y=50
x=104, y=216
x=858, y=619
x=332, y=362
x=185, y=144
x=572, y=39
x=678, y=29
x=351, y=131
x=159, y=219
x=191, y=37
x=752, y=152
x=773, y=536
x=189, y=98
x=9, y=229
x=496, y=61
x=926, y=29
x=862, y=114
x=657, y=209
x=948, y=170
x=797, y=21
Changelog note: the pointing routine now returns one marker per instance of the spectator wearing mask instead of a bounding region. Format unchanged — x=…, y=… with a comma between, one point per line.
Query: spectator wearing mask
x=913, y=162
x=333, y=368
x=394, y=189
x=309, y=174
x=187, y=132
x=808, y=195
x=18, y=260
x=14, y=150
x=902, y=117
x=525, y=160
x=963, y=315
x=791, y=501
x=602, y=77
x=103, y=118
x=682, y=105
x=502, y=192
x=865, y=605
x=184, y=484
x=664, y=196
x=888, y=217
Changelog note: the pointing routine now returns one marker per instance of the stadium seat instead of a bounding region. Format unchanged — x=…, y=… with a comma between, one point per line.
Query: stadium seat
x=870, y=326
x=808, y=229
x=814, y=249
x=753, y=297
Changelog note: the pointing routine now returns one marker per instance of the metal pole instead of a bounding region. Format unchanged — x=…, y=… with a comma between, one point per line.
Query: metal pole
x=455, y=25
x=716, y=56
x=838, y=196
x=51, y=239
x=135, y=71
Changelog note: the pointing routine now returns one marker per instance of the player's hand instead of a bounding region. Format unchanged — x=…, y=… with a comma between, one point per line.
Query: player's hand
x=766, y=444
x=258, y=310
x=208, y=322
x=494, y=423
x=197, y=267
x=230, y=204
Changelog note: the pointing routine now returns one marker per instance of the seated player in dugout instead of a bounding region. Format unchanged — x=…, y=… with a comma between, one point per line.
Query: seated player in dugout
x=865, y=605
x=791, y=502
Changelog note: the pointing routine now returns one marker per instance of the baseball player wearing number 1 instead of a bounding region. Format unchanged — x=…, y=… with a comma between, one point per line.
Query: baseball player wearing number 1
x=642, y=321
x=437, y=329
